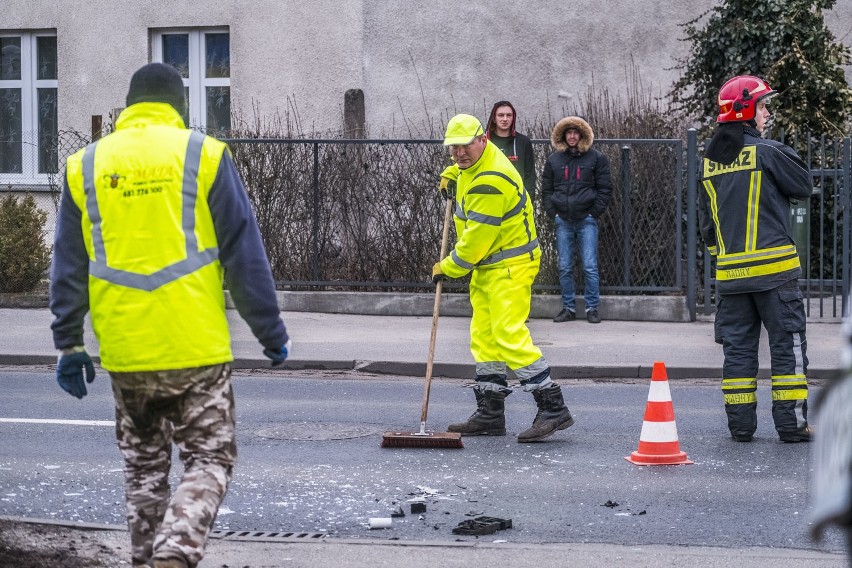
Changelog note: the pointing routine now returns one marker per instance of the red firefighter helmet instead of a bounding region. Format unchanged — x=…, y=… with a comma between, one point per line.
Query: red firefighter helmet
x=739, y=96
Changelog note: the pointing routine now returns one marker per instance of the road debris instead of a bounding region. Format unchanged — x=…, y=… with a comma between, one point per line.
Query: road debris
x=482, y=525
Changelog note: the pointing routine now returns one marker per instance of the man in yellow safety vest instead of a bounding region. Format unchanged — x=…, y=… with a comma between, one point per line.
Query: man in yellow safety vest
x=153, y=221
x=497, y=243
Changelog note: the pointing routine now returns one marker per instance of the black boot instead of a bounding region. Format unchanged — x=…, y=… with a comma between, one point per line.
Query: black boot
x=742, y=420
x=489, y=418
x=802, y=435
x=786, y=414
x=552, y=415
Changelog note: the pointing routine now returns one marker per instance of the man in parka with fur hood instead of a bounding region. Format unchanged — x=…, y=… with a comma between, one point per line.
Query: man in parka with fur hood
x=575, y=192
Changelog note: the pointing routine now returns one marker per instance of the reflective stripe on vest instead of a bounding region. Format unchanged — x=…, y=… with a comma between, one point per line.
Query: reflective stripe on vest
x=510, y=252
x=714, y=210
x=762, y=254
x=518, y=209
x=523, y=195
x=497, y=256
x=194, y=260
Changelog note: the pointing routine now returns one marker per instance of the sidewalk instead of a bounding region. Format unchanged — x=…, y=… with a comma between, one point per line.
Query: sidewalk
x=399, y=345
x=108, y=543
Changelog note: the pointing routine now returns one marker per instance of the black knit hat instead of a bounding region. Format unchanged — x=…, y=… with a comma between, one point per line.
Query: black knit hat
x=157, y=83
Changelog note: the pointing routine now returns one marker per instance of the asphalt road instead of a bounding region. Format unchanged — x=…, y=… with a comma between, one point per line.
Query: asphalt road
x=310, y=461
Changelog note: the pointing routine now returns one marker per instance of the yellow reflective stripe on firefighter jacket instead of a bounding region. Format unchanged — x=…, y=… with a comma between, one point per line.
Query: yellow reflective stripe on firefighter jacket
x=155, y=282
x=745, y=215
x=493, y=217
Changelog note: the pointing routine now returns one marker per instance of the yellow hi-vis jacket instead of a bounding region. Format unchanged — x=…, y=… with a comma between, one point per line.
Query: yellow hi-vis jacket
x=493, y=217
x=155, y=281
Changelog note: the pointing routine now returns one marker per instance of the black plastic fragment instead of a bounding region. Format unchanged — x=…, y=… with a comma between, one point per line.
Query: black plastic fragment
x=482, y=525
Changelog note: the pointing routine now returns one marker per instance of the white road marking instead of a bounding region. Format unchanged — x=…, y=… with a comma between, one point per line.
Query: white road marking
x=54, y=421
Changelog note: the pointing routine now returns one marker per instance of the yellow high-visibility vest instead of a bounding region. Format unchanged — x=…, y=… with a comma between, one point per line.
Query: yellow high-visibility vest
x=155, y=281
x=493, y=217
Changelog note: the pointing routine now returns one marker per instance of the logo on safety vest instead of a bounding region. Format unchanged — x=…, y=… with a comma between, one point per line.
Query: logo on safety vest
x=113, y=180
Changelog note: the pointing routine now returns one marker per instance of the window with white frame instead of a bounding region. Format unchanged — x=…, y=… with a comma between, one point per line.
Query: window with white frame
x=203, y=58
x=28, y=109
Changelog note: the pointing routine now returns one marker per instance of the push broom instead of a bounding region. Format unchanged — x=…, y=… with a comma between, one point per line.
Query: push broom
x=424, y=439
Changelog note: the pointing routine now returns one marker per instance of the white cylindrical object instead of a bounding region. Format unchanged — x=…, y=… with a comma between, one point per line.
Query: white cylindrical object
x=379, y=523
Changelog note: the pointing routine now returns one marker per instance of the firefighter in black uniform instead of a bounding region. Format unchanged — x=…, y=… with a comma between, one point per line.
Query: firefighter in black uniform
x=749, y=184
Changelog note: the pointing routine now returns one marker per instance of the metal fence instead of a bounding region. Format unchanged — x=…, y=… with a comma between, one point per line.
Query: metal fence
x=821, y=226
x=365, y=214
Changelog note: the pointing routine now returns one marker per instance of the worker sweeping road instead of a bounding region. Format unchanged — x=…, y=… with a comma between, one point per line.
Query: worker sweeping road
x=498, y=245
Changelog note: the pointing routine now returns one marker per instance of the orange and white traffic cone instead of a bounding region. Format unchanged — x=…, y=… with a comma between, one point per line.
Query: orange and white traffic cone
x=658, y=443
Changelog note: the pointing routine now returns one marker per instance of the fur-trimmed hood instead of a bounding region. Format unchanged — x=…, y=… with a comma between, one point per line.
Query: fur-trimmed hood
x=557, y=137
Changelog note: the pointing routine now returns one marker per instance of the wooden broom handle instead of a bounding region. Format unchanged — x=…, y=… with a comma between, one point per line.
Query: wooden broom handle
x=445, y=237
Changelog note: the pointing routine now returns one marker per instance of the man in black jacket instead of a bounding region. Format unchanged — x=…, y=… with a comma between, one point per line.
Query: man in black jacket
x=575, y=192
x=749, y=184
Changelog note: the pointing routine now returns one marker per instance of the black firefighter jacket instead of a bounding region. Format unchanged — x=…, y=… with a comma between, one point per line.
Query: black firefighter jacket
x=745, y=215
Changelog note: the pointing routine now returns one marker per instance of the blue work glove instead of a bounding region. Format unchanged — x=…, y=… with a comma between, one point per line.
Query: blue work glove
x=69, y=372
x=279, y=355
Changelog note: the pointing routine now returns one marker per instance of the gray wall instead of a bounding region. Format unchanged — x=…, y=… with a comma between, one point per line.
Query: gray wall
x=417, y=62
x=545, y=55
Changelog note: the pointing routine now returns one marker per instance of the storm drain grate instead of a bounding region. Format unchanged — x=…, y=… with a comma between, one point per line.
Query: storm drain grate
x=312, y=431
x=268, y=536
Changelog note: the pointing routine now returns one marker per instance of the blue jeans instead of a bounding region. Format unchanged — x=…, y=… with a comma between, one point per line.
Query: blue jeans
x=569, y=234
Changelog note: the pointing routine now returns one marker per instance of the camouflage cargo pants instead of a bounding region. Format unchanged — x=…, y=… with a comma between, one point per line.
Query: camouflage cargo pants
x=194, y=408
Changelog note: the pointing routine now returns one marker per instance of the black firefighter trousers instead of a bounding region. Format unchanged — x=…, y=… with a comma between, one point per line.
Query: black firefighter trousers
x=781, y=310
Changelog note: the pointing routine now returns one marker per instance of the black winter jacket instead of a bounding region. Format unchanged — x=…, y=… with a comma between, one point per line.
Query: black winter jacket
x=576, y=186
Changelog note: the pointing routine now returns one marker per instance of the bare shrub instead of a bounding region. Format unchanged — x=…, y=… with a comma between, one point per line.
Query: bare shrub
x=368, y=214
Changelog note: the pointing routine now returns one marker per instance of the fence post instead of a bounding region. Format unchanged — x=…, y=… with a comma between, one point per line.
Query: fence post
x=679, y=240
x=847, y=225
x=625, y=215
x=97, y=126
x=353, y=113
x=691, y=223
x=315, y=268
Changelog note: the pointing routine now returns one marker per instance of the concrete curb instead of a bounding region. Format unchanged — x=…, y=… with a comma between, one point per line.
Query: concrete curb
x=65, y=524
x=449, y=370
x=12, y=360
x=465, y=371
x=623, y=308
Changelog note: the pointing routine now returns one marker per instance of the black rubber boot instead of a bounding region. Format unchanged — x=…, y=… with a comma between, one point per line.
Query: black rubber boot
x=785, y=413
x=489, y=418
x=552, y=415
x=801, y=435
x=742, y=420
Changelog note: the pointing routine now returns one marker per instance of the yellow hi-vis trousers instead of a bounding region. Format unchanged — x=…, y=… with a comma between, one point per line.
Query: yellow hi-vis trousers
x=499, y=336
